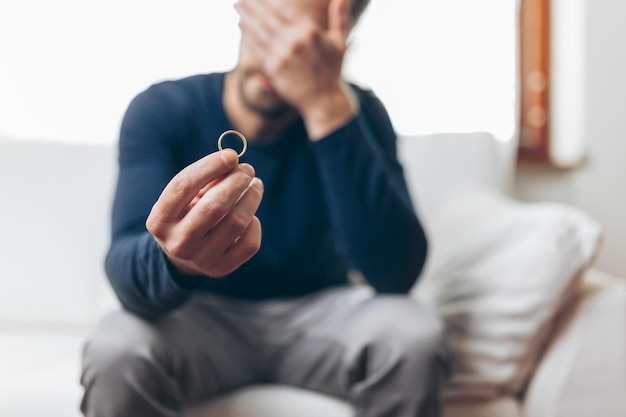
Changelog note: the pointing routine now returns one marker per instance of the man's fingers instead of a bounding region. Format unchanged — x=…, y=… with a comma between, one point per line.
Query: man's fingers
x=237, y=220
x=258, y=22
x=242, y=250
x=181, y=190
x=273, y=12
x=228, y=233
x=339, y=19
x=216, y=202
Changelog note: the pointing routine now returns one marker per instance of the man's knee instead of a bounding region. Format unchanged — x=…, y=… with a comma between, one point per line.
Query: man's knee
x=425, y=346
x=123, y=352
x=409, y=333
x=421, y=333
x=122, y=337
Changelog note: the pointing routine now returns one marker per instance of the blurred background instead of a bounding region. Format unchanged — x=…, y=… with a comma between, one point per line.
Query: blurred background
x=69, y=68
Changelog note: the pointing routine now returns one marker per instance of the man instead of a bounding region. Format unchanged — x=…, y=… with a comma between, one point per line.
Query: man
x=212, y=306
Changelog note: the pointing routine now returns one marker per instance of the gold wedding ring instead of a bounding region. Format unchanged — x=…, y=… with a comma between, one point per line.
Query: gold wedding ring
x=233, y=132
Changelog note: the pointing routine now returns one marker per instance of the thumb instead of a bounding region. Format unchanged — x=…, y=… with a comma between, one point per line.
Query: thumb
x=339, y=19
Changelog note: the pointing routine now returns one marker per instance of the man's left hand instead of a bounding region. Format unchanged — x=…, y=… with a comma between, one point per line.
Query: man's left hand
x=302, y=58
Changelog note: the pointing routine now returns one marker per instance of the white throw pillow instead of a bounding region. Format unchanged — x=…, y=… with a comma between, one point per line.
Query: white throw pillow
x=498, y=272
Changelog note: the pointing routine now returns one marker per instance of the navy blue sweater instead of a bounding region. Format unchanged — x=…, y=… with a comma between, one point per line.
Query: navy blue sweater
x=328, y=206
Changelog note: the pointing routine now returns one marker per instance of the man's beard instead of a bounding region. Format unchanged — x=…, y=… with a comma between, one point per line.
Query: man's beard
x=274, y=111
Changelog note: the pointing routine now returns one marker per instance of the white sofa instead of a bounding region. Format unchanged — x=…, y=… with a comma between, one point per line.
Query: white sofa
x=54, y=221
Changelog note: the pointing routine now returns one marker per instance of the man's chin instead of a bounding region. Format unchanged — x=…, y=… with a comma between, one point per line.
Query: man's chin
x=259, y=97
x=268, y=109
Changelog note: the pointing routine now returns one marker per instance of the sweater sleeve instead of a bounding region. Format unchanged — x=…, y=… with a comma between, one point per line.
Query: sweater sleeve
x=141, y=275
x=368, y=202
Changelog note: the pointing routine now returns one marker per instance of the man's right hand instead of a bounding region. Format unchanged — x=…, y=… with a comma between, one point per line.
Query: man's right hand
x=204, y=219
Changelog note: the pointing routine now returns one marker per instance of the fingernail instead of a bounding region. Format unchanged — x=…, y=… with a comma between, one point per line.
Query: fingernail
x=230, y=157
x=258, y=182
x=247, y=168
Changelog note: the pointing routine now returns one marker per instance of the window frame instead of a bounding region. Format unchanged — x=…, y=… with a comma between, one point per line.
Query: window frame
x=534, y=144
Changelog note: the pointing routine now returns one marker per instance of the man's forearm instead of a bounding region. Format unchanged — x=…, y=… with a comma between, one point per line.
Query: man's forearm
x=370, y=209
x=142, y=279
x=327, y=112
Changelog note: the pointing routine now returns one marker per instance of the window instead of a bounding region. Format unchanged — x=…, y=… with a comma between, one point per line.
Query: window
x=70, y=67
x=441, y=66
x=534, y=144
x=552, y=79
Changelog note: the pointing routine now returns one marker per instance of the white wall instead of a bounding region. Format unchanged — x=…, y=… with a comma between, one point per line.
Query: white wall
x=68, y=68
x=597, y=186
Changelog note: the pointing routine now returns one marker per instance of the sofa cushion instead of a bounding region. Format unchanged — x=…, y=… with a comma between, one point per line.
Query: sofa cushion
x=498, y=273
x=498, y=407
x=283, y=401
x=274, y=401
x=437, y=166
x=54, y=221
x=40, y=371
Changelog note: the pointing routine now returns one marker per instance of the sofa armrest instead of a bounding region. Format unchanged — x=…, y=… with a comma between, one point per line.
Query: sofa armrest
x=583, y=371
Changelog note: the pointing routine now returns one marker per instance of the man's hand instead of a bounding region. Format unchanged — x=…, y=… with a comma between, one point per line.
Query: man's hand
x=302, y=56
x=204, y=220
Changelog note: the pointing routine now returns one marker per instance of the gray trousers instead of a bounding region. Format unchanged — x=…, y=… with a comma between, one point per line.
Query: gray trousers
x=386, y=355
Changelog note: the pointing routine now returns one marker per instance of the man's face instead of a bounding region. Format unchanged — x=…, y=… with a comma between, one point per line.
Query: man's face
x=254, y=88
